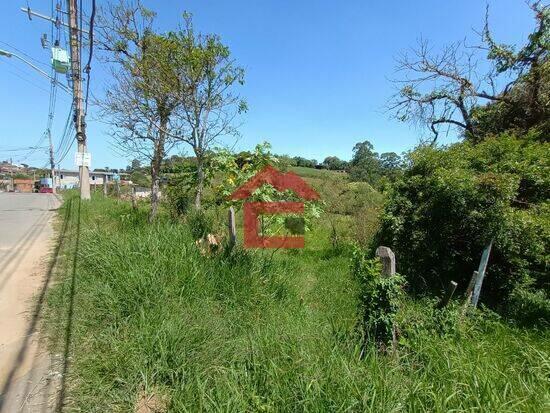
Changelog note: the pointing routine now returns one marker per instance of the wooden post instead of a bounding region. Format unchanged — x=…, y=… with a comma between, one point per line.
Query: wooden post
x=105, y=185
x=448, y=294
x=232, y=227
x=469, y=291
x=134, y=199
x=481, y=273
x=387, y=258
x=471, y=286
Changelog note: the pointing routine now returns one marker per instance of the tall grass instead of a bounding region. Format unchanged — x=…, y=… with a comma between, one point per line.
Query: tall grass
x=256, y=331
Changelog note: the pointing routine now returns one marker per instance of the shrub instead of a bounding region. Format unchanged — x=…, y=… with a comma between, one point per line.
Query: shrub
x=452, y=201
x=178, y=200
x=379, y=297
x=178, y=194
x=200, y=223
x=529, y=306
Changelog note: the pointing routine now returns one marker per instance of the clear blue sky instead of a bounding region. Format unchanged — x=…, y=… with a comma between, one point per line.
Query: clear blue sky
x=317, y=71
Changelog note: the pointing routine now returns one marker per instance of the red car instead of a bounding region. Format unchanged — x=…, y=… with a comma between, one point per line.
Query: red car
x=46, y=190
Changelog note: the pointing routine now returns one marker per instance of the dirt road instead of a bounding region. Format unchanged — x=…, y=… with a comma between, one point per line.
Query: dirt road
x=27, y=378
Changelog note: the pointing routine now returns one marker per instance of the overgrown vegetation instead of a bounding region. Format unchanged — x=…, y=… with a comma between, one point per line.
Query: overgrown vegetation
x=252, y=331
x=147, y=310
x=451, y=201
x=379, y=297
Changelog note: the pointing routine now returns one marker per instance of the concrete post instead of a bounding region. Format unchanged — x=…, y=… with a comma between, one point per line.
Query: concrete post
x=387, y=258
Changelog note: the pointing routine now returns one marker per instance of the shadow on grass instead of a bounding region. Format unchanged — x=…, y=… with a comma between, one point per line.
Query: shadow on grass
x=70, y=312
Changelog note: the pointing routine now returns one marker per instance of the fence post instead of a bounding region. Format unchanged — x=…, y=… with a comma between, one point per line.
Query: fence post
x=448, y=294
x=105, y=185
x=387, y=258
x=134, y=200
x=481, y=273
x=232, y=228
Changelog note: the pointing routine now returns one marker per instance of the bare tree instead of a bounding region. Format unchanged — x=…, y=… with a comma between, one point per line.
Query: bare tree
x=442, y=90
x=140, y=100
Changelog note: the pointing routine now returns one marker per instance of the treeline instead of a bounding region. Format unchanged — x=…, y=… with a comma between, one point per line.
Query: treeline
x=366, y=165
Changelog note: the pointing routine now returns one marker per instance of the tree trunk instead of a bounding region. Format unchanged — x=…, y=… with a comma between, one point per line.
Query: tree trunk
x=200, y=182
x=155, y=170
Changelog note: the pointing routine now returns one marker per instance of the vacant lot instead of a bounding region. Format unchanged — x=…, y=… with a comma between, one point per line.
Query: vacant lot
x=140, y=312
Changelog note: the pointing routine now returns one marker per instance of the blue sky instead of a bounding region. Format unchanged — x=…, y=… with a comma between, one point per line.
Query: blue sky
x=317, y=71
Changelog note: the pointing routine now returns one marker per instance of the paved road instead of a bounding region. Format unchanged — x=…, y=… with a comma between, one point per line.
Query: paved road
x=26, y=238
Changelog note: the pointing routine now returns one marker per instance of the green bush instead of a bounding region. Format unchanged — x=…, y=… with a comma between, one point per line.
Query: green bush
x=452, y=201
x=379, y=297
x=529, y=306
x=200, y=223
x=178, y=197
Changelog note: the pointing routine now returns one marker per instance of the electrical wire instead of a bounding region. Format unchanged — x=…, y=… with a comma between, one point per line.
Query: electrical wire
x=21, y=149
x=64, y=137
x=88, y=67
x=25, y=54
x=29, y=81
x=67, y=150
x=67, y=140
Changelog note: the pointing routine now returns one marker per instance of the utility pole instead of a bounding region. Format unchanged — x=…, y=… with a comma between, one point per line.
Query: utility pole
x=80, y=116
x=52, y=162
x=11, y=175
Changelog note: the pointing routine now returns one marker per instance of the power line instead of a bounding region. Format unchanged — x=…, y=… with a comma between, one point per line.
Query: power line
x=65, y=140
x=65, y=136
x=25, y=54
x=22, y=149
x=67, y=151
x=29, y=81
x=88, y=68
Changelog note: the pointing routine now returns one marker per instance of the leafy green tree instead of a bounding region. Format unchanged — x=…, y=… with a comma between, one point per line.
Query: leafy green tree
x=306, y=163
x=365, y=165
x=334, y=163
x=391, y=165
x=136, y=164
x=206, y=95
x=140, y=101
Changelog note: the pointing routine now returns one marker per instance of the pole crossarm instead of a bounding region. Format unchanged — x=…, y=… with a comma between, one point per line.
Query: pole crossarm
x=57, y=22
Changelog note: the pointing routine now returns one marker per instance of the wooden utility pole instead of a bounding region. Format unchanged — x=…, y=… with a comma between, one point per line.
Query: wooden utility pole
x=79, y=115
x=11, y=175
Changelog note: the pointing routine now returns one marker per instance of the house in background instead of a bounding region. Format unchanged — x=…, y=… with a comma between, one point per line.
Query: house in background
x=67, y=179
x=23, y=185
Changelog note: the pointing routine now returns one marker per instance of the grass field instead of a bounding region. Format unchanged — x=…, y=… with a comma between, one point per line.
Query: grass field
x=138, y=310
x=314, y=173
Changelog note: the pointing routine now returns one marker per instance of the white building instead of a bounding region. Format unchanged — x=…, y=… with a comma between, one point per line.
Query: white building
x=67, y=179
